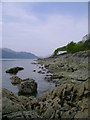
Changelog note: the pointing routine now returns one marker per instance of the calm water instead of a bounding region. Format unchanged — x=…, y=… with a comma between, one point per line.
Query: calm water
x=26, y=73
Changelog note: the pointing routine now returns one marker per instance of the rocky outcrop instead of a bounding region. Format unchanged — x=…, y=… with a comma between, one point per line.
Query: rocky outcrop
x=28, y=86
x=14, y=70
x=68, y=100
x=14, y=107
x=15, y=80
x=67, y=66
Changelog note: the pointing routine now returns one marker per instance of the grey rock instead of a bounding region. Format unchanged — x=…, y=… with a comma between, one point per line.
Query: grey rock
x=15, y=80
x=14, y=70
x=28, y=86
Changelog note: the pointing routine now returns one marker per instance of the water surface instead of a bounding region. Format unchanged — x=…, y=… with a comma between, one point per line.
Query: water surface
x=43, y=85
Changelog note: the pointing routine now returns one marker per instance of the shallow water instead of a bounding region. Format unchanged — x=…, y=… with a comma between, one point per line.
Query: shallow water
x=43, y=85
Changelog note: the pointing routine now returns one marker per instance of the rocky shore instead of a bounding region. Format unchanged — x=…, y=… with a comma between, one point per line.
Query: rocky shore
x=67, y=67
x=69, y=98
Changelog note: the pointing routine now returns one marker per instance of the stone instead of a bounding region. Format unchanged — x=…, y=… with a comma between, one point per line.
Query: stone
x=49, y=113
x=41, y=72
x=10, y=95
x=24, y=101
x=34, y=70
x=82, y=114
x=28, y=86
x=9, y=106
x=83, y=104
x=15, y=80
x=22, y=115
x=14, y=70
x=79, y=89
x=86, y=85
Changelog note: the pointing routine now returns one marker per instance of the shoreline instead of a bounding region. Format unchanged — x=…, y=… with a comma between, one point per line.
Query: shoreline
x=68, y=99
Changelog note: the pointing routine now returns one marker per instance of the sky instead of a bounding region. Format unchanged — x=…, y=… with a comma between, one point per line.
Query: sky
x=40, y=28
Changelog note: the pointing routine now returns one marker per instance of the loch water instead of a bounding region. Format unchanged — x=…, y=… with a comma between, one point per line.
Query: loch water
x=43, y=85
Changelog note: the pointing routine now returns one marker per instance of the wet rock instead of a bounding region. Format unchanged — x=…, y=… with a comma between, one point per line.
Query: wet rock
x=14, y=70
x=15, y=80
x=41, y=72
x=34, y=70
x=28, y=86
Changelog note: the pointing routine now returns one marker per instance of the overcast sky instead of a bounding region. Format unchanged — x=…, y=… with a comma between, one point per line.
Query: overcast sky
x=42, y=27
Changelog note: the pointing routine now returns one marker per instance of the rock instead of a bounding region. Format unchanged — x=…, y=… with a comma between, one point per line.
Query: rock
x=65, y=115
x=25, y=101
x=50, y=113
x=82, y=114
x=41, y=72
x=10, y=95
x=21, y=115
x=56, y=103
x=46, y=66
x=9, y=106
x=15, y=80
x=67, y=90
x=58, y=91
x=34, y=70
x=14, y=70
x=79, y=89
x=14, y=107
x=86, y=85
x=10, y=102
x=83, y=104
x=28, y=86
x=34, y=62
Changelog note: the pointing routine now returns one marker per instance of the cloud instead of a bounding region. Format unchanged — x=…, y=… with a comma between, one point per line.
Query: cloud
x=28, y=32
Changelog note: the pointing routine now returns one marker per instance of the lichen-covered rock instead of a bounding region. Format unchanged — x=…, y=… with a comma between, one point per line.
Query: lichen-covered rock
x=50, y=113
x=14, y=70
x=15, y=80
x=10, y=102
x=14, y=107
x=9, y=106
x=21, y=115
x=28, y=86
x=82, y=114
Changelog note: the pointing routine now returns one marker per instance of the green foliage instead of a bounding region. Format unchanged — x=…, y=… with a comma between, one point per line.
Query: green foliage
x=59, y=49
x=87, y=44
x=73, y=47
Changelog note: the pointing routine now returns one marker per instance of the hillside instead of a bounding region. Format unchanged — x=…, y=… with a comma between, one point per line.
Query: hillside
x=74, y=47
x=10, y=54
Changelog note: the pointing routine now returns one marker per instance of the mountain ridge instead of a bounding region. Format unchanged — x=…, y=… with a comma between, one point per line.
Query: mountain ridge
x=11, y=54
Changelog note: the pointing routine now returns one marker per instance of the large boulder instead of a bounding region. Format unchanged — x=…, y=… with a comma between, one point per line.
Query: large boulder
x=14, y=70
x=28, y=86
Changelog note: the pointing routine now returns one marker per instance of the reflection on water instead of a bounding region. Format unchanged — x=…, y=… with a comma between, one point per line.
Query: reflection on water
x=26, y=73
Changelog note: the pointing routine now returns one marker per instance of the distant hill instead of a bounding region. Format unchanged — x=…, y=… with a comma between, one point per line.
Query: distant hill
x=10, y=54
